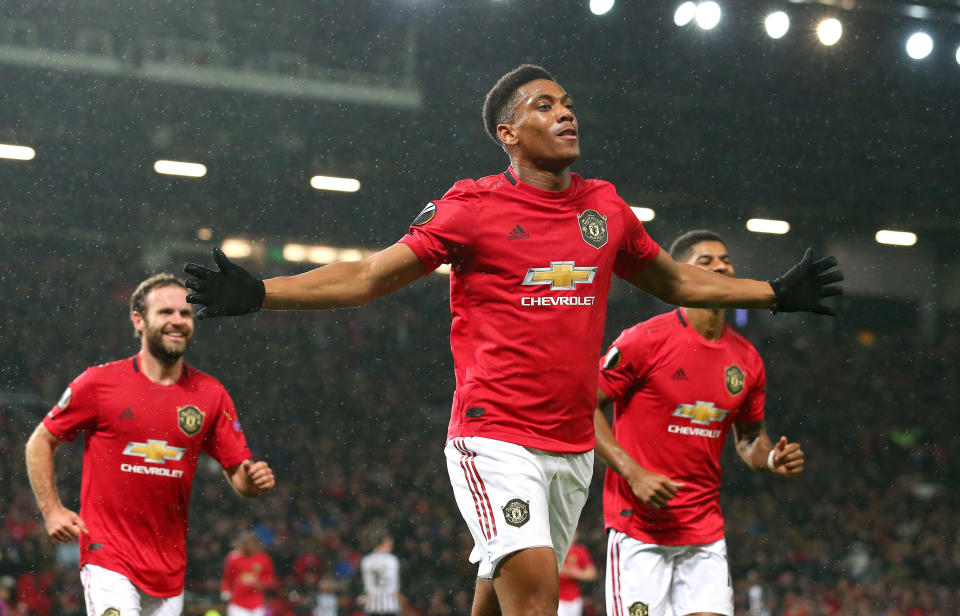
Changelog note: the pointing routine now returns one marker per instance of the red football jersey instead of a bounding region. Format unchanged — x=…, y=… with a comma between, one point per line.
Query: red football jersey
x=528, y=296
x=579, y=557
x=676, y=396
x=142, y=441
x=247, y=577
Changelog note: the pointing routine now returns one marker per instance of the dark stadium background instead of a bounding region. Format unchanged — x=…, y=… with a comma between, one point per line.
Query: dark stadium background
x=350, y=407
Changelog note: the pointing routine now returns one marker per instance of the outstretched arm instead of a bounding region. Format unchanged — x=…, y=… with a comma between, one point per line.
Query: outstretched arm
x=802, y=288
x=231, y=290
x=755, y=448
x=653, y=489
x=62, y=524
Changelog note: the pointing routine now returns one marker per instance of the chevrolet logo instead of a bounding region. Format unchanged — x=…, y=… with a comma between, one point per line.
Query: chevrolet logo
x=700, y=413
x=154, y=451
x=561, y=275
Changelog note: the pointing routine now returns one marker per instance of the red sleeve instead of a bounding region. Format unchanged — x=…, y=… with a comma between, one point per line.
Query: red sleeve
x=228, y=574
x=638, y=248
x=443, y=231
x=226, y=443
x=625, y=364
x=752, y=409
x=269, y=577
x=76, y=410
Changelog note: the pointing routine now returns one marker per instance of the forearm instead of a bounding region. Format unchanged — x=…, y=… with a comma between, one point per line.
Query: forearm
x=755, y=452
x=608, y=449
x=339, y=285
x=39, y=461
x=697, y=288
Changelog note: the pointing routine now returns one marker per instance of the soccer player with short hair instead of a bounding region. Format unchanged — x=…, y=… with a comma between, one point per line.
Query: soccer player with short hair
x=380, y=570
x=146, y=420
x=532, y=251
x=248, y=574
x=679, y=382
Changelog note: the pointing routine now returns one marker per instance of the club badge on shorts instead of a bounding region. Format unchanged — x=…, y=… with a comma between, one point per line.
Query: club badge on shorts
x=734, y=378
x=111, y=611
x=190, y=419
x=593, y=228
x=516, y=512
x=639, y=609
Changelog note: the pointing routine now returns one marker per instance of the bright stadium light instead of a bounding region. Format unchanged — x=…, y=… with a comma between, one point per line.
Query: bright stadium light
x=601, y=7
x=295, y=252
x=236, y=248
x=322, y=255
x=708, y=15
x=643, y=214
x=764, y=225
x=174, y=167
x=16, y=152
x=685, y=14
x=957, y=56
x=829, y=31
x=919, y=45
x=204, y=233
x=324, y=182
x=896, y=238
x=777, y=24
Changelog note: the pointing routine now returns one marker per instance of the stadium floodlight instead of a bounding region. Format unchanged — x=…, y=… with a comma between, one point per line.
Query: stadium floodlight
x=764, y=225
x=708, y=15
x=919, y=45
x=322, y=255
x=685, y=13
x=175, y=167
x=958, y=54
x=16, y=152
x=829, y=31
x=601, y=7
x=236, y=248
x=204, y=233
x=643, y=214
x=325, y=182
x=295, y=252
x=777, y=24
x=896, y=238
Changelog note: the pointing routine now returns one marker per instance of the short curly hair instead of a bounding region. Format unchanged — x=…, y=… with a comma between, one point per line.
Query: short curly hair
x=499, y=104
x=681, y=247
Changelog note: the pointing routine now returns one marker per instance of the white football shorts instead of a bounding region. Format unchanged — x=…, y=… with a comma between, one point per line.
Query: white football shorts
x=645, y=579
x=106, y=590
x=514, y=497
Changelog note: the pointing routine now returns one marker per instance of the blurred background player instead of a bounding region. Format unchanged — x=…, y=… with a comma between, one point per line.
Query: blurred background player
x=380, y=570
x=146, y=420
x=247, y=575
x=577, y=568
x=522, y=311
x=679, y=382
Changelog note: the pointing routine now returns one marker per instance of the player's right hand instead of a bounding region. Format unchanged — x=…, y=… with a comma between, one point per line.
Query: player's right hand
x=230, y=291
x=653, y=489
x=63, y=525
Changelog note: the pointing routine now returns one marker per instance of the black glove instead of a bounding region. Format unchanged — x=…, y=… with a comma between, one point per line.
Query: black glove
x=228, y=292
x=806, y=284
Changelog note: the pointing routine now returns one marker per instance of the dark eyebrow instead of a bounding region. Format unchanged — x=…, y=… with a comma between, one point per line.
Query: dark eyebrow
x=550, y=97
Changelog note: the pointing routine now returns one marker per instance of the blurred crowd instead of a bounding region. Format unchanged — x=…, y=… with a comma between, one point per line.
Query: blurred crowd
x=350, y=409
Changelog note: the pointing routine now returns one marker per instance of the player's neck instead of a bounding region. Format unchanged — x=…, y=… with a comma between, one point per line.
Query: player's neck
x=541, y=178
x=158, y=371
x=707, y=322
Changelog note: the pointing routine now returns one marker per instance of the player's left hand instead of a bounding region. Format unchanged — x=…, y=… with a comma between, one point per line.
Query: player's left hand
x=787, y=458
x=230, y=291
x=259, y=477
x=807, y=284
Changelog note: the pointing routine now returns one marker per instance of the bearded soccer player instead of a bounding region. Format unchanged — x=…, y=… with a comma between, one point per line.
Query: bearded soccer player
x=680, y=381
x=146, y=420
x=532, y=250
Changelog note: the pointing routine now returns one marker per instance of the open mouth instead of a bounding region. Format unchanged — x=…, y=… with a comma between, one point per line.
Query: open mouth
x=568, y=133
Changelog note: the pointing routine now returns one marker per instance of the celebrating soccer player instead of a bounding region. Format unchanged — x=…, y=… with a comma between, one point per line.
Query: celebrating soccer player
x=146, y=419
x=679, y=381
x=532, y=250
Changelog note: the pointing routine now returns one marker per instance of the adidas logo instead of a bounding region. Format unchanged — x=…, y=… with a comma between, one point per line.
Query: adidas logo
x=679, y=375
x=127, y=414
x=518, y=234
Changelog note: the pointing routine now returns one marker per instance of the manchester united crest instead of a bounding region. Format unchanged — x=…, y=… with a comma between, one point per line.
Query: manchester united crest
x=516, y=512
x=111, y=611
x=639, y=608
x=593, y=228
x=734, y=378
x=190, y=419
